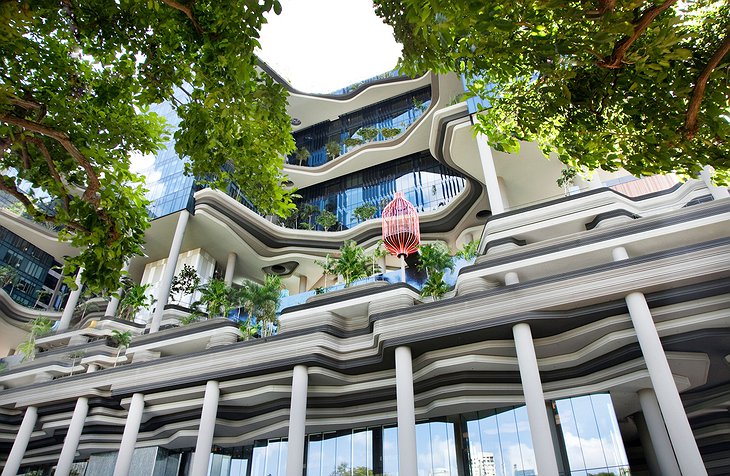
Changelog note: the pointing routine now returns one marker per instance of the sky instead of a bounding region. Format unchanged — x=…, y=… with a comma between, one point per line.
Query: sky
x=323, y=45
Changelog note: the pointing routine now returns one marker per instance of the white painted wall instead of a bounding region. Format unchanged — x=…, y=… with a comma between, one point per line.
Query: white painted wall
x=198, y=258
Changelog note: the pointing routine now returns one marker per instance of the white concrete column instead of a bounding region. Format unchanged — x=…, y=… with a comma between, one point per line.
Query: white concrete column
x=405, y=404
x=510, y=277
x=675, y=418
x=71, y=443
x=163, y=292
x=547, y=463
x=297, y=422
x=73, y=299
x=111, y=308
x=206, y=430
x=717, y=192
x=490, y=175
x=403, y=268
x=303, y=284
x=665, y=458
x=646, y=445
x=230, y=268
x=22, y=438
x=129, y=437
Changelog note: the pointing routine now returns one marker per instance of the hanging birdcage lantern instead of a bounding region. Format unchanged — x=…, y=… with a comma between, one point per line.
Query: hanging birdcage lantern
x=401, y=233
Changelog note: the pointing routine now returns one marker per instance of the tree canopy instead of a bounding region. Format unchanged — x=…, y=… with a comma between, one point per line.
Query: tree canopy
x=636, y=84
x=76, y=82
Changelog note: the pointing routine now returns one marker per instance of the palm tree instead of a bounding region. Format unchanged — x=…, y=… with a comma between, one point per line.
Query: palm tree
x=261, y=302
x=76, y=354
x=328, y=267
x=435, y=286
x=434, y=257
x=122, y=341
x=216, y=296
x=40, y=326
x=352, y=263
x=306, y=213
x=303, y=155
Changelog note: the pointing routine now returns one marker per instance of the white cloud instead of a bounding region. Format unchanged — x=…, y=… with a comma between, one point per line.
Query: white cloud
x=323, y=45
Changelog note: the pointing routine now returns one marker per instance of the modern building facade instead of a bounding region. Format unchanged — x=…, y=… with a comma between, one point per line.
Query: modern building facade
x=590, y=335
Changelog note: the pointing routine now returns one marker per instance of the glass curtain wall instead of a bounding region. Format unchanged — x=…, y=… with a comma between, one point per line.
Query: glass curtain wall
x=426, y=183
x=35, y=284
x=395, y=113
x=494, y=442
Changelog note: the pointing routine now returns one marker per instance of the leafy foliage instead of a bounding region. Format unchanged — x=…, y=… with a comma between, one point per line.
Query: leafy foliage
x=566, y=178
x=435, y=286
x=352, y=142
x=333, y=149
x=389, y=132
x=121, y=339
x=368, y=133
x=469, y=250
x=434, y=257
x=40, y=326
x=302, y=155
x=75, y=89
x=135, y=298
x=185, y=283
x=328, y=265
x=638, y=85
x=217, y=298
x=326, y=219
x=365, y=212
x=352, y=263
x=261, y=302
x=8, y=275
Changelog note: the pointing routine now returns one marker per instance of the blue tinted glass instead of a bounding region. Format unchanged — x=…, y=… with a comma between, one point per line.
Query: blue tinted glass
x=395, y=113
x=426, y=183
x=390, y=450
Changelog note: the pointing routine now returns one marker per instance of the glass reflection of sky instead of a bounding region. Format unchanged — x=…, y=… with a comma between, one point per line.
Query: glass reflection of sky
x=499, y=443
x=592, y=437
x=426, y=183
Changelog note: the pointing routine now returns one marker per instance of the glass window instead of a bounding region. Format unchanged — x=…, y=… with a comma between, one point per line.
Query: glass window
x=592, y=438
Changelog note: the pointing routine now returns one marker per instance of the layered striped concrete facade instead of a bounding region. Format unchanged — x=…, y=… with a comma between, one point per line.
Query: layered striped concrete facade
x=595, y=293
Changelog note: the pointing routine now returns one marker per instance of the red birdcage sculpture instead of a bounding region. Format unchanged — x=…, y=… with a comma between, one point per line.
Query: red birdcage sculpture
x=401, y=233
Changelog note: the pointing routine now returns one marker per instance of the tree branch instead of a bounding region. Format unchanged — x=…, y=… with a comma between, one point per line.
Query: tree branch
x=93, y=186
x=693, y=109
x=51, y=166
x=616, y=60
x=187, y=11
x=31, y=208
